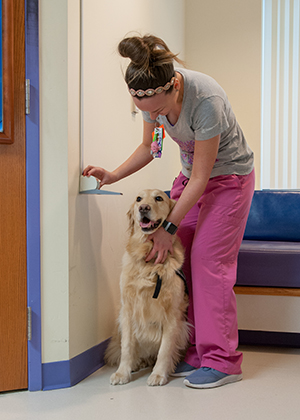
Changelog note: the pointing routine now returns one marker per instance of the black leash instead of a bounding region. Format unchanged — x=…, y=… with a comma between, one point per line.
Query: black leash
x=159, y=282
x=180, y=273
x=157, y=287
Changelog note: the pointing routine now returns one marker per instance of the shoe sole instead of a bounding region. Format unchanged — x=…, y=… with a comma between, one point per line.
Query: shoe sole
x=224, y=381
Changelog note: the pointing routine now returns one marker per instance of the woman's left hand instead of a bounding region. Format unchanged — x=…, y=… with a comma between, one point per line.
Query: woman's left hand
x=162, y=245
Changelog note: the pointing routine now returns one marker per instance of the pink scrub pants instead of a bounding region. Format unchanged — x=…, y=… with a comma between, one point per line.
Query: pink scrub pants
x=212, y=232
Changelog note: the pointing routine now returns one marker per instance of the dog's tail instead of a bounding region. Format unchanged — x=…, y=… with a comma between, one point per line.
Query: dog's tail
x=113, y=352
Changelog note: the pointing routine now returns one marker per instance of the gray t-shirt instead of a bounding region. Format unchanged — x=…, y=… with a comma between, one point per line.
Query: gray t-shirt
x=205, y=113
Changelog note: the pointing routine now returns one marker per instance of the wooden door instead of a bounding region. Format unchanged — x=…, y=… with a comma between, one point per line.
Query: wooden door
x=13, y=295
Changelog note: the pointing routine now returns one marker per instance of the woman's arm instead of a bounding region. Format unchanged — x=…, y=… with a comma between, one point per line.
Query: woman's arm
x=139, y=158
x=205, y=155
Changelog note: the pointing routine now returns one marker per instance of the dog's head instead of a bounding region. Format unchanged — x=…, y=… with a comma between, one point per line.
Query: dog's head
x=149, y=210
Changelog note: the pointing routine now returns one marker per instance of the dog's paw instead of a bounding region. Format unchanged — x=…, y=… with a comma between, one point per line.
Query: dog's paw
x=118, y=378
x=157, y=380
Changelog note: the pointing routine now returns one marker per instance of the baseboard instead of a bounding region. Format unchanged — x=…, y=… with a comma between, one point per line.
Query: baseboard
x=269, y=338
x=67, y=373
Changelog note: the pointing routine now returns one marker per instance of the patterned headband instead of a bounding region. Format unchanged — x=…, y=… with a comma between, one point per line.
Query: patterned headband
x=150, y=92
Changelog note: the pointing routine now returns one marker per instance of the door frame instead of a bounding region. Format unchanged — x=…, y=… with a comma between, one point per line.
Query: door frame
x=33, y=195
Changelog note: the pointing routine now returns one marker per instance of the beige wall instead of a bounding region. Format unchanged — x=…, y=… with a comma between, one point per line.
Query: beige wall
x=54, y=180
x=83, y=236
x=223, y=39
x=269, y=313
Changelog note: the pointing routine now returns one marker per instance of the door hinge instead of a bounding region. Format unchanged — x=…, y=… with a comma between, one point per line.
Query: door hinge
x=29, y=324
x=27, y=96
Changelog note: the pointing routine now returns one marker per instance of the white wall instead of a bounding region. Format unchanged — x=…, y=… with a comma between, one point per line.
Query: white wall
x=269, y=313
x=54, y=180
x=83, y=236
x=223, y=39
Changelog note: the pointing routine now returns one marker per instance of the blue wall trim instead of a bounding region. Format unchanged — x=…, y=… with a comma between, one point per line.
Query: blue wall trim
x=33, y=194
x=67, y=373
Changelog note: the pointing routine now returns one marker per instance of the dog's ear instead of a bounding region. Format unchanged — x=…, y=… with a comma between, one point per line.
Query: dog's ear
x=131, y=219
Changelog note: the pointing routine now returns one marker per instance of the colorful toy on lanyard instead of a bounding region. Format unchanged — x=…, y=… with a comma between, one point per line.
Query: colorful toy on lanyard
x=158, y=136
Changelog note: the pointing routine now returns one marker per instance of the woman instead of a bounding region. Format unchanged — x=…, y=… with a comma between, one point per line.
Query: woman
x=213, y=191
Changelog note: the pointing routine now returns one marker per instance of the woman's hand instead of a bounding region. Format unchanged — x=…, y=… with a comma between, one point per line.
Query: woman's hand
x=162, y=245
x=104, y=176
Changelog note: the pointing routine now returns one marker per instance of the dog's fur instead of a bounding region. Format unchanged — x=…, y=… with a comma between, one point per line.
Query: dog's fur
x=149, y=330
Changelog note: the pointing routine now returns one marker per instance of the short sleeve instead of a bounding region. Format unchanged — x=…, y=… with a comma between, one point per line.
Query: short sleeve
x=210, y=118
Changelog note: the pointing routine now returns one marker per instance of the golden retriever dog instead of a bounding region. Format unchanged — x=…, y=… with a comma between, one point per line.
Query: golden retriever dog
x=152, y=328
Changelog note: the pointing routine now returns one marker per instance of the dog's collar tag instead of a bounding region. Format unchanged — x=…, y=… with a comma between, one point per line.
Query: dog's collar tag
x=157, y=288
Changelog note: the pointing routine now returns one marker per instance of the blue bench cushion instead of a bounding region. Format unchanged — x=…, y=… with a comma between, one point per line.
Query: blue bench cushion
x=269, y=264
x=274, y=216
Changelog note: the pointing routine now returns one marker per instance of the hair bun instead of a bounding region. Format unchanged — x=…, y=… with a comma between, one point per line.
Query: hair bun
x=135, y=49
x=152, y=63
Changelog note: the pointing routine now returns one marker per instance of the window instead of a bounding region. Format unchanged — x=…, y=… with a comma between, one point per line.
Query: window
x=280, y=123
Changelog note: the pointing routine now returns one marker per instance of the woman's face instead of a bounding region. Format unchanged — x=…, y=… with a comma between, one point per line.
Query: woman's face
x=158, y=104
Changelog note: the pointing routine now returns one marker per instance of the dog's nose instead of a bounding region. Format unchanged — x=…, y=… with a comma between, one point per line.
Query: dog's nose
x=144, y=208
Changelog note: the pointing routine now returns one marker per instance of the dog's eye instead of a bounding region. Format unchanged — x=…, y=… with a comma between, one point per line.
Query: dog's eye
x=159, y=198
x=138, y=199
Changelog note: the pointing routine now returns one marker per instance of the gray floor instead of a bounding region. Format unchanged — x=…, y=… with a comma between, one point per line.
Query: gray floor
x=270, y=390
